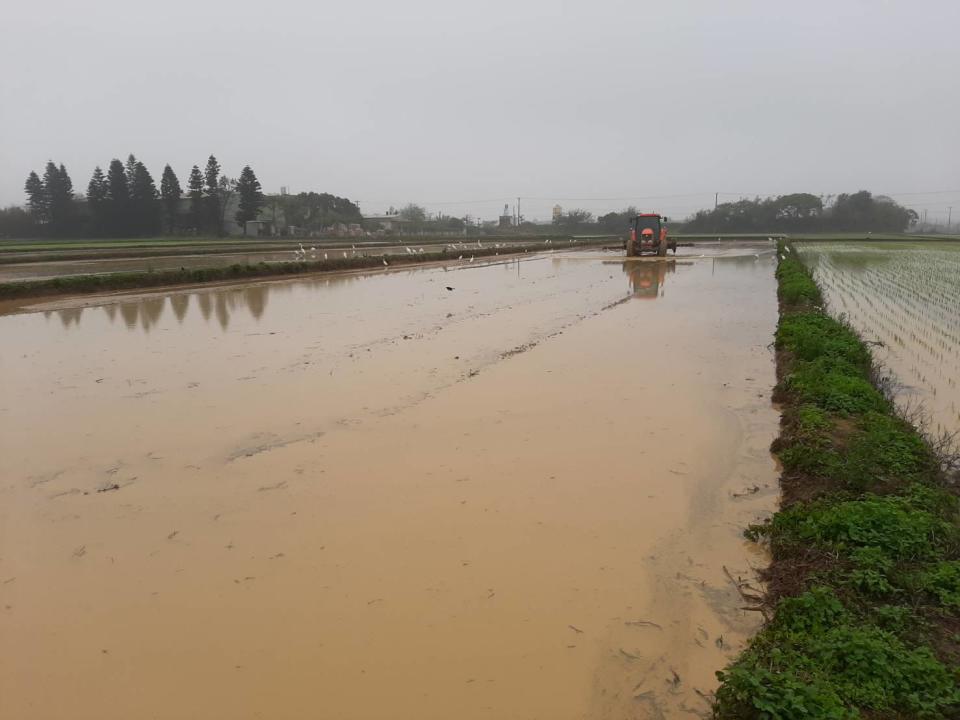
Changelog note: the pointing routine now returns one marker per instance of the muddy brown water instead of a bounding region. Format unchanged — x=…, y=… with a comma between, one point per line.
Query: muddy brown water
x=369, y=496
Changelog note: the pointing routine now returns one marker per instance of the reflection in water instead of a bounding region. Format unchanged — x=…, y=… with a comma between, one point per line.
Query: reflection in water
x=145, y=313
x=130, y=312
x=647, y=278
x=223, y=314
x=151, y=312
x=71, y=316
x=180, y=303
x=223, y=302
x=206, y=305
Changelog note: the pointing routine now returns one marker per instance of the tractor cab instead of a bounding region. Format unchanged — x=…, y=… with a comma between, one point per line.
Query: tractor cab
x=648, y=234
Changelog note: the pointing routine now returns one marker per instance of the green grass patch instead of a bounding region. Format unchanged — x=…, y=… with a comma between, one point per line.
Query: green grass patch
x=835, y=385
x=905, y=528
x=886, y=450
x=796, y=287
x=875, y=450
x=819, y=660
x=943, y=582
x=811, y=335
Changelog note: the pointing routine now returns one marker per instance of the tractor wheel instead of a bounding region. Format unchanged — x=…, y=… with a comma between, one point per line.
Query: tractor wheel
x=631, y=248
x=662, y=250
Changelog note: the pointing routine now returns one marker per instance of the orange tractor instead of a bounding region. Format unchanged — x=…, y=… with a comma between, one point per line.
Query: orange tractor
x=648, y=234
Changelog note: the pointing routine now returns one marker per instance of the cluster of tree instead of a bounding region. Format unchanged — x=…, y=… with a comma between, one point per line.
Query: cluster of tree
x=576, y=221
x=803, y=212
x=616, y=222
x=50, y=199
x=211, y=195
x=15, y=222
x=125, y=202
x=315, y=212
x=419, y=220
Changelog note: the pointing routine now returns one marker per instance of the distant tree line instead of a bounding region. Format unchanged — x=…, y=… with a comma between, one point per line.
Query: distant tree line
x=583, y=222
x=803, y=212
x=125, y=202
x=799, y=212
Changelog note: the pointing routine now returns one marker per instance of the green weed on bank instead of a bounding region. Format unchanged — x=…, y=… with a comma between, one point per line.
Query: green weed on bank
x=865, y=578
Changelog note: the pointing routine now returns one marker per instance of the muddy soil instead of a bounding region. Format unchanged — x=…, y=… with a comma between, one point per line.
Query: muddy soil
x=500, y=491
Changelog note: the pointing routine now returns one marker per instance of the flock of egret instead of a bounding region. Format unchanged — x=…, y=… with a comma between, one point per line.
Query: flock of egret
x=303, y=253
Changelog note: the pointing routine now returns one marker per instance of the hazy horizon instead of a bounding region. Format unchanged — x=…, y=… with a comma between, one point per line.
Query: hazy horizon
x=464, y=108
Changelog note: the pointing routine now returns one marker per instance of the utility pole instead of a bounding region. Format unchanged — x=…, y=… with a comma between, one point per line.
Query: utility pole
x=949, y=217
x=716, y=197
x=518, y=212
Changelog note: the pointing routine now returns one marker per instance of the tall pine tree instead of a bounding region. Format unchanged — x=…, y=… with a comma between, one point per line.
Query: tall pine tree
x=251, y=197
x=211, y=178
x=36, y=198
x=58, y=192
x=97, y=194
x=118, y=200
x=130, y=169
x=195, y=186
x=143, y=200
x=170, y=194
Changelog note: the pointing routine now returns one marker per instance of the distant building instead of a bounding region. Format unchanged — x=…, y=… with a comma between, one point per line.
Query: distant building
x=345, y=230
x=387, y=223
x=259, y=228
x=557, y=212
x=506, y=219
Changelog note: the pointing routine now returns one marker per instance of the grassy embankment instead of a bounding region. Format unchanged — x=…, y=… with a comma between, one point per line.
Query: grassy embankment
x=85, y=284
x=863, y=592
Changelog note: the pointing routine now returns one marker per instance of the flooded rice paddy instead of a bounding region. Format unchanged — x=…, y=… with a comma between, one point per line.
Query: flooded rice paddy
x=509, y=490
x=904, y=299
x=46, y=269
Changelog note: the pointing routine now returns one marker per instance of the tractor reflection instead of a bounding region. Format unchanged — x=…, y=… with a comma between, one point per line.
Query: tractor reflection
x=647, y=278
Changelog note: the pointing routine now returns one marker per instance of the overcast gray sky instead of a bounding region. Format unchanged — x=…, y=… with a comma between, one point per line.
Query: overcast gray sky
x=462, y=106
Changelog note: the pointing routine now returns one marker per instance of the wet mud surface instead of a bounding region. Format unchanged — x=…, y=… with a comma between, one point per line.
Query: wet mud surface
x=511, y=490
